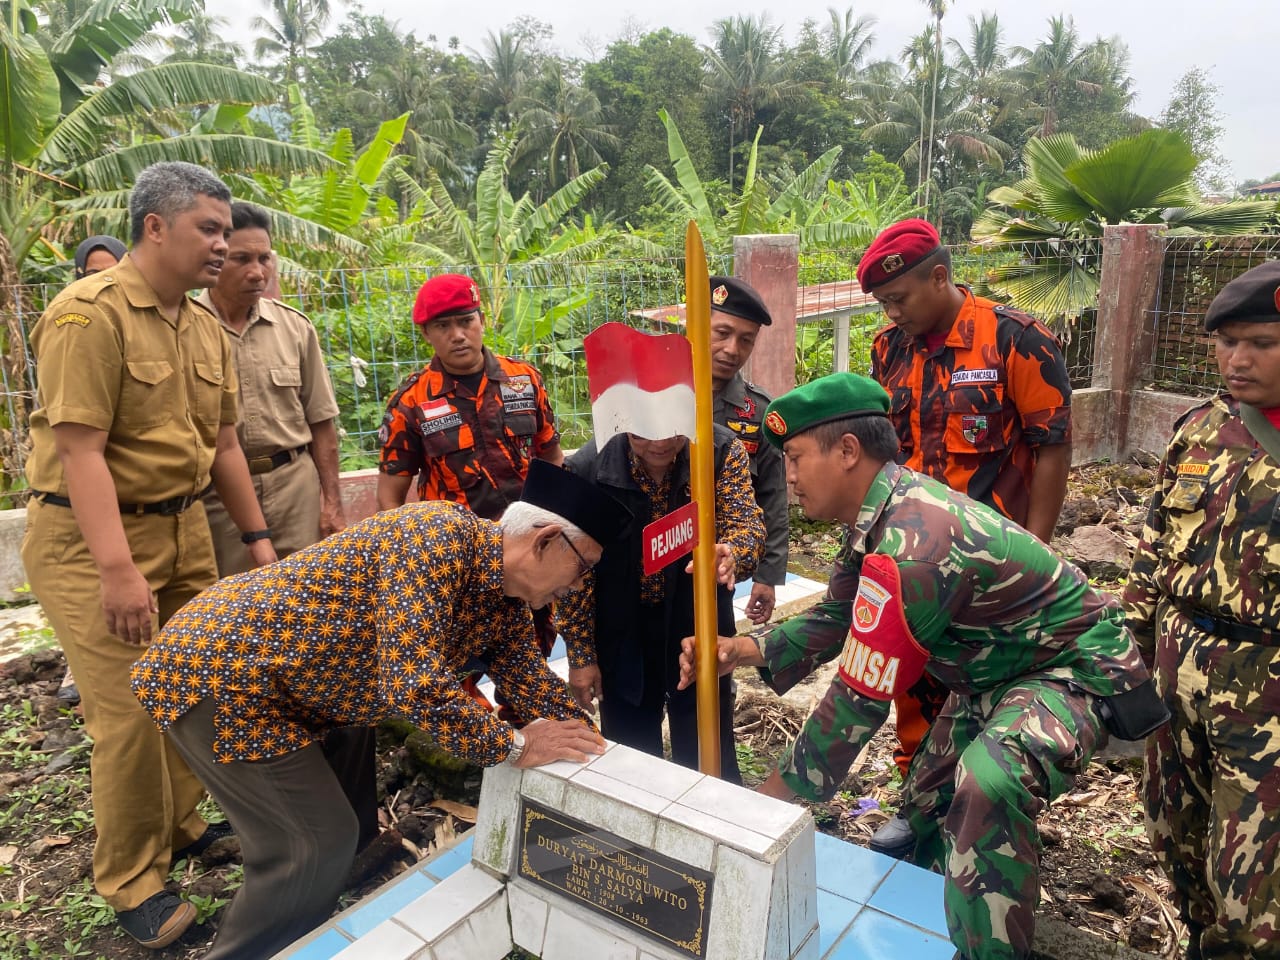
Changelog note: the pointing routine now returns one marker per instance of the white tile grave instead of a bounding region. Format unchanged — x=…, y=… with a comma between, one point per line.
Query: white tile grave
x=758, y=852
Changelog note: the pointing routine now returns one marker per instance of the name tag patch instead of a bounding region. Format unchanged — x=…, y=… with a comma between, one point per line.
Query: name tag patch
x=439, y=415
x=519, y=395
x=1193, y=470
x=988, y=375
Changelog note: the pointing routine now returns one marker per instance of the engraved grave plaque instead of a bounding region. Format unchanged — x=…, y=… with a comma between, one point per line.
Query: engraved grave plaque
x=661, y=897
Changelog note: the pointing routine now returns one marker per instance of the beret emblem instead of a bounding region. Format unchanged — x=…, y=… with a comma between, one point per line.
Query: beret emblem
x=892, y=263
x=775, y=423
x=719, y=295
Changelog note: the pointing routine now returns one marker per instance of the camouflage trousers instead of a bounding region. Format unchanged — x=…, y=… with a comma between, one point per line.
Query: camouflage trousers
x=1213, y=789
x=988, y=767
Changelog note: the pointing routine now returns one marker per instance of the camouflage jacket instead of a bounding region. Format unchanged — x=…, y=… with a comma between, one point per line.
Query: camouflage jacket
x=1213, y=529
x=990, y=603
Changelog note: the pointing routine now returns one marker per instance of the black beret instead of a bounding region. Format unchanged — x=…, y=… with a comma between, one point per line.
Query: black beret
x=577, y=500
x=730, y=295
x=1252, y=297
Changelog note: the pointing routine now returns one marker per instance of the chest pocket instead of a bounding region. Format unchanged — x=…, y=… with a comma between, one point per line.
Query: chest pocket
x=208, y=398
x=1184, y=506
x=285, y=395
x=148, y=393
x=447, y=437
x=975, y=419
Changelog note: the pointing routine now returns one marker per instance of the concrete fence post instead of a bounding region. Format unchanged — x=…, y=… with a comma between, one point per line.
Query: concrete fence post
x=1132, y=259
x=771, y=264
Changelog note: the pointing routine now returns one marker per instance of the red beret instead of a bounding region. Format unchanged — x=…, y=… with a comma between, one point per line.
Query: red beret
x=898, y=248
x=447, y=293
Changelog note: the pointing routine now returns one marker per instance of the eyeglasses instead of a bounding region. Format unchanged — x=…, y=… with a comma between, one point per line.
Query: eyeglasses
x=583, y=567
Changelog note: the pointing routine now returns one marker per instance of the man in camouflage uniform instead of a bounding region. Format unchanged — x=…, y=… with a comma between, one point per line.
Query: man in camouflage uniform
x=929, y=579
x=737, y=314
x=1203, y=599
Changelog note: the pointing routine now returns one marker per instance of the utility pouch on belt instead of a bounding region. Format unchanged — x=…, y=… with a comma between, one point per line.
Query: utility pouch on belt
x=881, y=658
x=1135, y=713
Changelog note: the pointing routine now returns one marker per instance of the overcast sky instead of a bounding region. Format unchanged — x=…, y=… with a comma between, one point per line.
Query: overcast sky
x=1234, y=40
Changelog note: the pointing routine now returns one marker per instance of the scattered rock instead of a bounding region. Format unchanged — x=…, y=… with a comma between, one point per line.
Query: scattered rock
x=1100, y=552
x=1108, y=893
x=61, y=761
x=226, y=850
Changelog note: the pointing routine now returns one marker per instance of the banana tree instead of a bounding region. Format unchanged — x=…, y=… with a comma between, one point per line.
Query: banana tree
x=67, y=154
x=819, y=210
x=1054, y=215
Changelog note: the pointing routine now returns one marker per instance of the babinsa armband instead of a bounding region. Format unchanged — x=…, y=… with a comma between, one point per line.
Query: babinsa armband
x=881, y=658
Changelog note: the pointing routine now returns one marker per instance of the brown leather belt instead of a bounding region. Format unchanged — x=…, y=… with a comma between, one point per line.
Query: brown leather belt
x=166, y=508
x=266, y=464
x=1227, y=629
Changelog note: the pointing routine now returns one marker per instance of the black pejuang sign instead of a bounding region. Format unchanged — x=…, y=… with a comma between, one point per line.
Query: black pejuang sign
x=663, y=898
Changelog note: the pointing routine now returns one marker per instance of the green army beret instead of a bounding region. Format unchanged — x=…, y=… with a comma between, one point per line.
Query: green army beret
x=1253, y=297
x=839, y=396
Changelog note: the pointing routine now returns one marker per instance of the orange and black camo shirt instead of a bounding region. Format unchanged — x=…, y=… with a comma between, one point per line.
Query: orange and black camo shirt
x=971, y=412
x=465, y=446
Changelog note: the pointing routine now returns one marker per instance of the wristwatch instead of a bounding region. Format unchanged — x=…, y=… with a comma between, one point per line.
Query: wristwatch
x=253, y=536
x=517, y=748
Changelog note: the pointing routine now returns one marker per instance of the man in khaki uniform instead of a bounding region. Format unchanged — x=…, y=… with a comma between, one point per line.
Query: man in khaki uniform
x=135, y=414
x=287, y=425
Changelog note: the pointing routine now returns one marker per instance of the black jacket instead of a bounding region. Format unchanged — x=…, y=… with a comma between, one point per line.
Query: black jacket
x=619, y=572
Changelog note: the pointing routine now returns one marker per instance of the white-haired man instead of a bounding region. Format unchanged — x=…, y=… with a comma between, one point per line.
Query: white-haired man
x=375, y=621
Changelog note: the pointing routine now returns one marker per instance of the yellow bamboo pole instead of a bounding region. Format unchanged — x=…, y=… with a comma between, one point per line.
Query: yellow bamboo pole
x=697, y=293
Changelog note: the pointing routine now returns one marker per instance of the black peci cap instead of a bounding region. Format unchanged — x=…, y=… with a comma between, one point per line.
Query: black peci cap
x=577, y=500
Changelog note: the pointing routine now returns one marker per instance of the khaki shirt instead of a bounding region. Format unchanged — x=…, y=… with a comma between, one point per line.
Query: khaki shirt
x=284, y=384
x=108, y=358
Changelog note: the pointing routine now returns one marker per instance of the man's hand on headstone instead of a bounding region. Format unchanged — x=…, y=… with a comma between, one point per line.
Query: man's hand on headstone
x=548, y=740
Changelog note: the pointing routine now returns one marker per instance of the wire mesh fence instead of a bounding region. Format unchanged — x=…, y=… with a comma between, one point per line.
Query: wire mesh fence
x=1195, y=269
x=541, y=313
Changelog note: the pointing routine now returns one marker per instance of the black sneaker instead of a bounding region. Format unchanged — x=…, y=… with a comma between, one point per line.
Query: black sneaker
x=158, y=921
x=70, y=695
x=212, y=834
x=894, y=839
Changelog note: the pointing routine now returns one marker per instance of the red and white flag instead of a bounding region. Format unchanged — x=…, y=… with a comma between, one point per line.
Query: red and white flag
x=639, y=383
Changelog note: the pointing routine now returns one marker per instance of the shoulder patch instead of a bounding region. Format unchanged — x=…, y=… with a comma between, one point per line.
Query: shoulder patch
x=79, y=319
x=1019, y=317
x=285, y=306
x=404, y=388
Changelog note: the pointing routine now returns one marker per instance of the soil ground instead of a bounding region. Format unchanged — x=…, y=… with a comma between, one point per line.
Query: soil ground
x=1098, y=874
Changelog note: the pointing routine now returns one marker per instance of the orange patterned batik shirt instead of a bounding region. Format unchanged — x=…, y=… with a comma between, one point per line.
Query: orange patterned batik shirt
x=376, y=621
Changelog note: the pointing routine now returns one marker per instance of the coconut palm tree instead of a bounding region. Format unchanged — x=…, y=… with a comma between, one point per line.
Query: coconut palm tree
x=1070, y=194
x=564, y=123
x=981, y=68
x=746, y=72
x=938, y=8
x=506, y=67
x=62, y=160
x=202, y=38
x=1056, y=64
x=848, y=42
x=293, y=27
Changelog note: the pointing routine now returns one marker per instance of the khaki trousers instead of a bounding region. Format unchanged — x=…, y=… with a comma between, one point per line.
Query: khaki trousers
x=290, y=499
x=144, y=795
